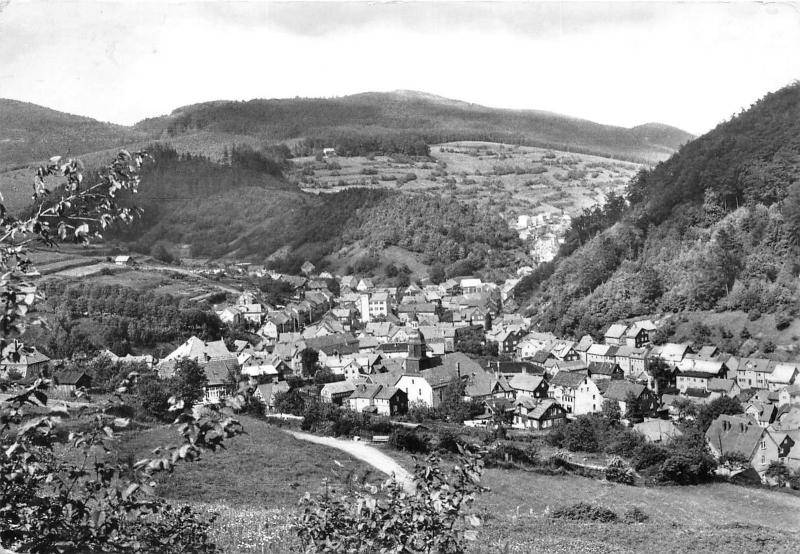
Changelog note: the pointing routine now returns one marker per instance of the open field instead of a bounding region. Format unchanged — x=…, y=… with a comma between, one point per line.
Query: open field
x=523, y=180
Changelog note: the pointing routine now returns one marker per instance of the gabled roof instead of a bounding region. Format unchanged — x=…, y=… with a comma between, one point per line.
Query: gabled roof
x=199, y=350
x=25, y=355
x=568, y=379
x=616, y=331
x=599, y=350
x=759, y=365
x=734, y=434
x=721, y=385
x=387, y=392
x=658, y=430
x=673, y=352
x=71, y=377
x=542, y=407
x=584, y=344
x=784, y=373
x=338, y=387
x=619, y=390
x=526, y=381
x=603, y=368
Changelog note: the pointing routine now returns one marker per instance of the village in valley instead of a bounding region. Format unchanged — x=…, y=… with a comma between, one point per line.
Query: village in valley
x=387, y=351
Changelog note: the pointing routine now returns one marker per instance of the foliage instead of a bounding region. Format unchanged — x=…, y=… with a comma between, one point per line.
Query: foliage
x=428, y=519
x=579, y=435
x=710, y=228
x=473, y=342
x=723, y=405
x=291, y=402
x=583, y=511
x=635, y=515
x=408, y=440
x=309, y=358
x=93, y=504
x=189, y=382
x=618, y=472
x=610, y=410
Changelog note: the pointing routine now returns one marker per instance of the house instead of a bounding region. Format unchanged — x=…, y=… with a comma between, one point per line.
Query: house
x=337, y=392
x=601, y=353
x=582, y=347
x=671, y=353
x=739, y=435
x=530, y=385
x=638, y=333
x=633, y=361
x=621, y=392
x=506, y=338
x=615, y=335
x=786, y=448
x=534, y=342
x=71, y=381
x=426, y=379
x=125, y=261
x=471, y=286
x=267, y=392
x=564, y=386
x=763, y=413
x=510, y=369
x=696, y=373
x=374, y=305
x=751, y=373
x=365, y=285
x=605, y=370
x=21, y=361
x=380, y=399
x=219, y=364
x=657, y=430
x=538, y=414
x=565, y=351
x=230, y=315
x=723, y=387
x=589, y=396
x=783, y=375
x=789, y=395
x=272, y=369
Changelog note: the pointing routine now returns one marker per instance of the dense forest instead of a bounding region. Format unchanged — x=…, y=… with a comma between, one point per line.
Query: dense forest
x=369, y=121
x=717, y=226
x=243, y=207
x=89, y=317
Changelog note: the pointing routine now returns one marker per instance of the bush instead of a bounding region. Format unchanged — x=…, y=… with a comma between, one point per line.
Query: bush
x=782, y=321
x=753, y=315
x=409, y=441
x=583, y=511
x=618, y=472
x=555, y=437
x=448, y=442
x=686, y=468
x=509, y=455
x=649, y=455
x=635, y=515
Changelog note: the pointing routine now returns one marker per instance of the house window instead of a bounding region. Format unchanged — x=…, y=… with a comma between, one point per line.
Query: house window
x=763, y=460
x=763, y=445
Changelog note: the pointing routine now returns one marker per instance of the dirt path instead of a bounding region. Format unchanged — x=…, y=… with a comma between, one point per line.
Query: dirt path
x=365, y=453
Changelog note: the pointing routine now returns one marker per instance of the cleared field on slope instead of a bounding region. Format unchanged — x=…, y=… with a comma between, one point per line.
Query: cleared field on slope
x=523, y=180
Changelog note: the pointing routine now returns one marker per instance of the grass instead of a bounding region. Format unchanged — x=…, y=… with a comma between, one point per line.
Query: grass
x=264, y=468
x=717, y=517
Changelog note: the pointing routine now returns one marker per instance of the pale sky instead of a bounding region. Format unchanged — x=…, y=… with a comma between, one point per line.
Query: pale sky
x=688, y=65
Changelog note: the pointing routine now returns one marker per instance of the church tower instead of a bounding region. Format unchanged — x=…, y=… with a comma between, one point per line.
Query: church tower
x=416, y=353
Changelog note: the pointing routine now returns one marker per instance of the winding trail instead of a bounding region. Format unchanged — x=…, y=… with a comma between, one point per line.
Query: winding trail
x=365, y=453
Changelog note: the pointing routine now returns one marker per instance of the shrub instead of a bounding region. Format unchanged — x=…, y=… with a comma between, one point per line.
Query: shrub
x=782, y=321
x=405, y=439
x=448, y=442
x=635, y=515
x=618, y=472
x=648, y=455
x=506, y=454
x=753, y=315
x=555, y=437
x=583, y=511
x=686, y=468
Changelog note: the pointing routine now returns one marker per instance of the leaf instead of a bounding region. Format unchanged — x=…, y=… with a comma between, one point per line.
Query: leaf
x=129, y=491
x=474, y=520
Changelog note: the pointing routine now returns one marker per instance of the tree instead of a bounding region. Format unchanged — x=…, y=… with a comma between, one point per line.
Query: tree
x=291, y=402
x=633, y=408
x=83, y=500
x=189, y=382
x=160, y=252
x=611, y=410
x=436, y=273
x=579, y=435
x=309, y=358
x=723, y=405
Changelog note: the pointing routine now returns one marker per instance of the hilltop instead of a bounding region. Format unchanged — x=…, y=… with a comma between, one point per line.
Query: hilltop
x=31, y=133
x=715, y=227
x=432, y=118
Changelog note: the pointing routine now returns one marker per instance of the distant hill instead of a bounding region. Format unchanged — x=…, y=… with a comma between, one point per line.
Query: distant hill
x=431, y=117
x=715, y=227
x=31, y=133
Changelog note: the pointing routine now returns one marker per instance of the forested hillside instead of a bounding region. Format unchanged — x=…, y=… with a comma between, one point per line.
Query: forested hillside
x=31, y=133
x=245, y=209
x=717, y=226
x=404, y=121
